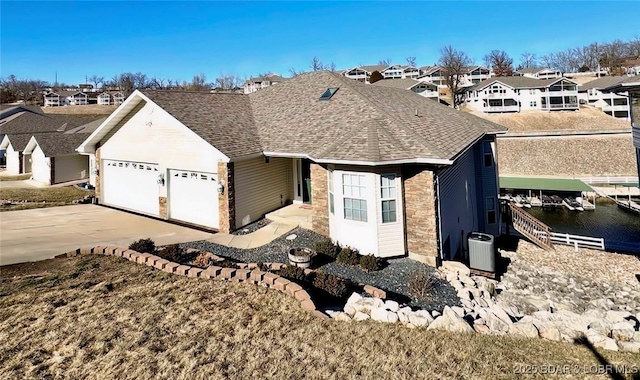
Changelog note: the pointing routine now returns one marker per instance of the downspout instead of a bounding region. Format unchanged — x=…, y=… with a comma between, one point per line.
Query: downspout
x=438, y=220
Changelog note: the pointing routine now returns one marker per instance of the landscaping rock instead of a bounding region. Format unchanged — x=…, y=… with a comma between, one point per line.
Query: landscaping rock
x=391, y=305
x=602, y=327
x=459, y=311
x=629, y=346
x=342, y=317
x=550, y=333
x=607, y=344
x=380, y=314
x=496, y=324
x=353, y=298
x=500, y=313
x=615, y=316
x=621, y=332
x=420, y=318
x=480, y=327
x=467, y=281
x=457, y=267
x=359, y=316
x=350, y=310
x=450, y=321
x=524, y=329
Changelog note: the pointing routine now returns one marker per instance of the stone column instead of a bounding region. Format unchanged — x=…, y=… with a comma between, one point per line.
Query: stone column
x=162, y=202
x=226, y=200
x=420, y=215
x=319, y=200
x=98, y=174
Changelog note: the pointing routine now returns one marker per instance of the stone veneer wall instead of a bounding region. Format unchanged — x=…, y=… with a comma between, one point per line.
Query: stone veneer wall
x=226, y=201
x=420, y=215
x=319, y=200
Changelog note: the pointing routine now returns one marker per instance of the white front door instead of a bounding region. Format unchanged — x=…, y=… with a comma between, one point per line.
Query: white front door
x=130, y=185
x=193, y=197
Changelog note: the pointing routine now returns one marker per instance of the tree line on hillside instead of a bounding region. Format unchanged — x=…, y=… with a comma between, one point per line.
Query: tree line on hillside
x=454, y=62
x=13, y=89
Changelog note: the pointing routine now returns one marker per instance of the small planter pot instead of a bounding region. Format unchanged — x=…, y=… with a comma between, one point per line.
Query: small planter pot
x=301, y=257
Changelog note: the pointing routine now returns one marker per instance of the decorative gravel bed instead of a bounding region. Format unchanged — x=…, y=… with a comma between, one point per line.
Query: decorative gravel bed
x=393, y=278
x=249, y=228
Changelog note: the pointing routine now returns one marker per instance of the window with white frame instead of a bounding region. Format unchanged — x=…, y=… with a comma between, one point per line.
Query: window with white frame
x=491, y=210
x=388, y=198
x=331, y=198
x=354, y=193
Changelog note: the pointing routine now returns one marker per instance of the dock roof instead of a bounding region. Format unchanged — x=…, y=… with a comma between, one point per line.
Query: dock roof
x=541, y=183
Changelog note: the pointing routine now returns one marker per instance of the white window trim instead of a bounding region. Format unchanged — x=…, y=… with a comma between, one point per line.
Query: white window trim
x=331, y=192
x=394, y=198
x=361, y=197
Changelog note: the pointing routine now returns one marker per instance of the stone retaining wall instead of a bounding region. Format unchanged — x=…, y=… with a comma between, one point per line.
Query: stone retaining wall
x=246, y=273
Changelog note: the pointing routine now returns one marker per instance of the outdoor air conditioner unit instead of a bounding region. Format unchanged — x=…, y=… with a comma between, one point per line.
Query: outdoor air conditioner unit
x=482, y=252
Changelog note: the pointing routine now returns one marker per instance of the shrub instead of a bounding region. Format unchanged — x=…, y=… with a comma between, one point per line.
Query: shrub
x=143, y=246
x=173, y=253
x=293, y=273
x=348, y=256
x=203, y=260
x=332, y=284
x=370, y=263
x=421, y=284
x=328, y=248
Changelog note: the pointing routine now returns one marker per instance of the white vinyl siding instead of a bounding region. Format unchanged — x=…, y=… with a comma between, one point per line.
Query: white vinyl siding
x=40, y=166
x=391, y=240
x=354, y=193
x=261, y=187
x=70, y=168
x=13, y=161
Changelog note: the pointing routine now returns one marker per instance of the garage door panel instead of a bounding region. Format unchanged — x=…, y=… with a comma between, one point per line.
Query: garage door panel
x=131, y=185
x=193, y=197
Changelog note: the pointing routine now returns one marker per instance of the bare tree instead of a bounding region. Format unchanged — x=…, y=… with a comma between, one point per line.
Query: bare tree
x=500, y=62
x=316, y=64
x=633, y=47
x=199, y=83
x=411, y=61
x=528, y=60
x=295, y=72
x=453, y=64
x=227, y=82
x=157, y=83
x=385, y=62
x=96, y=80
x=331, y=67
x=127, y=83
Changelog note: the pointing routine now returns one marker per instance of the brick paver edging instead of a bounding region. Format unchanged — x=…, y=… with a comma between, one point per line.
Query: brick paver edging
x=250, y=274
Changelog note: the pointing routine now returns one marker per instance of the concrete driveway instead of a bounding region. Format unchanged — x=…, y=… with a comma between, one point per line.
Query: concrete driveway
x=38, y=234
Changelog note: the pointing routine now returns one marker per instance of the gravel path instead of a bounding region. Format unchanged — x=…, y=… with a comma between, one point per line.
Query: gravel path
x=393, y=278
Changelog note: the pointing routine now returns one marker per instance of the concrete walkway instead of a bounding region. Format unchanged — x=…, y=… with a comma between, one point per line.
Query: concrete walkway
x=264, y=235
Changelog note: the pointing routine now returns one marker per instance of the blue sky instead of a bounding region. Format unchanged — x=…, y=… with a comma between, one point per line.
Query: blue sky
x=180, y=39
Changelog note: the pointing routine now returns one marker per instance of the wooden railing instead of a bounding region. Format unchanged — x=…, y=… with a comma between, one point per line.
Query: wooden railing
x=538, y=232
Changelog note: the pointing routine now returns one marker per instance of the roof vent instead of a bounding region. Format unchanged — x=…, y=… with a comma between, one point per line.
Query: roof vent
x=417, y=114
x=329, y=93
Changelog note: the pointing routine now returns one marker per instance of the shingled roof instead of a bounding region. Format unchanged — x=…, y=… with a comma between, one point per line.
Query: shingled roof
x=518, y=82
x=57, y=144
x=603, y=82
x=368, y=124
x=30, y=123
x=224, y=120
x=404, y=83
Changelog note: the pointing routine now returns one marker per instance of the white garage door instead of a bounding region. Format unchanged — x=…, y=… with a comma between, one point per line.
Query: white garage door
x=193, y=197
x=130, y=185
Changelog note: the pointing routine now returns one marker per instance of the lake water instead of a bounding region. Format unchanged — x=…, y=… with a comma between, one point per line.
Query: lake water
x=620, y=229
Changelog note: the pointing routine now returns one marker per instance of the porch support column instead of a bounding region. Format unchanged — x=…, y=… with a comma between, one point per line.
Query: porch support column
x=420, y=204
x=319, y=200
x=227, y=200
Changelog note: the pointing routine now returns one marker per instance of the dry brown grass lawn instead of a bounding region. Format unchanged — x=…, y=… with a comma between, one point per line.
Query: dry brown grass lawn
x=42, y=197
x=97, y=317
x=89, y=109
x=17, y=177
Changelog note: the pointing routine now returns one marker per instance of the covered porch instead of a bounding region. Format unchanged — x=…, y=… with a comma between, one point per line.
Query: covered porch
x=298, y=214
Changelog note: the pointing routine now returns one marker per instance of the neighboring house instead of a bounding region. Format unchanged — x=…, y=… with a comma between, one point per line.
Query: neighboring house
x=110, y=98
x=539, y=73
x=363, y=73
x=631, y=86
x=53, y=158
x=65, y=98
x=255, y=84
x=402, y=175
x=9, y=113
x=18, y=132
x=472, y=75
x=426, y=89
x=611, y=103
x=631, y=66
x=515, y=94
x=400, y=72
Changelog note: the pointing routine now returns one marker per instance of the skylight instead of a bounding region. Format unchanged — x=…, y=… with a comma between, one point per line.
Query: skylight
x=329, y=93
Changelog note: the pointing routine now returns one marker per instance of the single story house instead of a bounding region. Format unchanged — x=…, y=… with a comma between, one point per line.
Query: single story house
x=31, y=139
x=384, y=170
